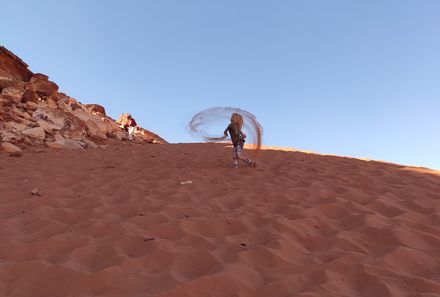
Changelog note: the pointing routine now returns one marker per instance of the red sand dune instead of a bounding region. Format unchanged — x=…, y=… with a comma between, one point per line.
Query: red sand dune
x=117, y=222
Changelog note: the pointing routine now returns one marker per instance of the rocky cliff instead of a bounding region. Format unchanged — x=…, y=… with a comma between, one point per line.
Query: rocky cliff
x=34, y=114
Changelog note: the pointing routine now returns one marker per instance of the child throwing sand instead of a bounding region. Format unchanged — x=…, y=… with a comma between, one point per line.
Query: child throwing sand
x=238, y=139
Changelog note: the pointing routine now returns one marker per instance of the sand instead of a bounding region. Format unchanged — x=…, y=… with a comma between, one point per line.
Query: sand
x=119, y=222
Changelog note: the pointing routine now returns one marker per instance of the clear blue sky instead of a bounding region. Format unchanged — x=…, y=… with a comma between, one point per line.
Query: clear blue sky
x=345, y=77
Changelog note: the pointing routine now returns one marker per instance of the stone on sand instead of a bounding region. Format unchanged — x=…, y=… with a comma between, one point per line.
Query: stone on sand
x=10, y=148
x=37, y=133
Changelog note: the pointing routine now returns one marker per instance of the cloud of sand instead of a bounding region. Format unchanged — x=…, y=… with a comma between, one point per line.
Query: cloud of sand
x=203, y=121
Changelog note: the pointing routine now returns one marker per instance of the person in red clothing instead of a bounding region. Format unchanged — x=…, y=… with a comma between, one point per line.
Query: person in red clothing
x=130, y=127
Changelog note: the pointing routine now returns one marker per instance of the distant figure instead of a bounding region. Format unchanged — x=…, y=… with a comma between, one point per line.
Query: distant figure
x=238, y=139
x=130, y=127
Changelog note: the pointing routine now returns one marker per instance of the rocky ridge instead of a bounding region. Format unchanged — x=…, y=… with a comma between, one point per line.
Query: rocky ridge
x=34, y=114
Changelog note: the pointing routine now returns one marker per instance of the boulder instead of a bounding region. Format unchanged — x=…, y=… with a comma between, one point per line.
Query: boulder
x=120, y=135
x=15, y=67
x=59, y=137
x=65, y=144
x=94, y=129
x=43, y=86
x=90, y=144
x=30, y=96
x=51, y=103
x=31, y=105
x=15, y=127
x=95, y=109
x=22, y=113
x=13, y=94
x=97, y=126
x=37, y=133
x=123, y=119
x=148, y=136
x=55, y=118
x=68, y=104
x=4, y=102
x=82, y=115
x=9, y=113
x=10, y=148
x=39, y=76
x=6, y=81
x=112, y=127
x=48, y=127
x=8, y=136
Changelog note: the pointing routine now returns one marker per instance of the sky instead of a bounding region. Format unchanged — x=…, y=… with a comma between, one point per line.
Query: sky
x=344, y=77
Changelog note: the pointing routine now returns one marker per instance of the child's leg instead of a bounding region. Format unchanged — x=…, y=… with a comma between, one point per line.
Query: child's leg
x=239, y=155
x=249, y=162
x=235, y=155
x=130, y=133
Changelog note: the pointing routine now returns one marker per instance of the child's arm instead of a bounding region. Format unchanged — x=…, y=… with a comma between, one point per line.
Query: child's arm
x=226, y=131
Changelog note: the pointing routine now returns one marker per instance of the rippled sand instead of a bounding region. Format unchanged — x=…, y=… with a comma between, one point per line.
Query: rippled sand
x=118, y=222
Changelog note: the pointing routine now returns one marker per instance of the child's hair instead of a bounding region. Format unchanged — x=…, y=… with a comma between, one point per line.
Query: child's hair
x=237, y=119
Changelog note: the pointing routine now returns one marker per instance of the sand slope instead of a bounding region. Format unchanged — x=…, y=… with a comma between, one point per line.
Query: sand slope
x=117, y=222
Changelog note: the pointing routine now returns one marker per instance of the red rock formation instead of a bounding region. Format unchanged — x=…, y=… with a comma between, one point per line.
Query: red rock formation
x=34, y=113
x=14, y=65
x=96, y=109
x=43, y=86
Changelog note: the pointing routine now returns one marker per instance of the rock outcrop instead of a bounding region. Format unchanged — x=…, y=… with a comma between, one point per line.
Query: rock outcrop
x=34, y=113
x=140, y=132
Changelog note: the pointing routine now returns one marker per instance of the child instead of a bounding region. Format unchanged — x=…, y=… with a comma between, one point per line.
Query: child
x=238, y=139
x=130, y=127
